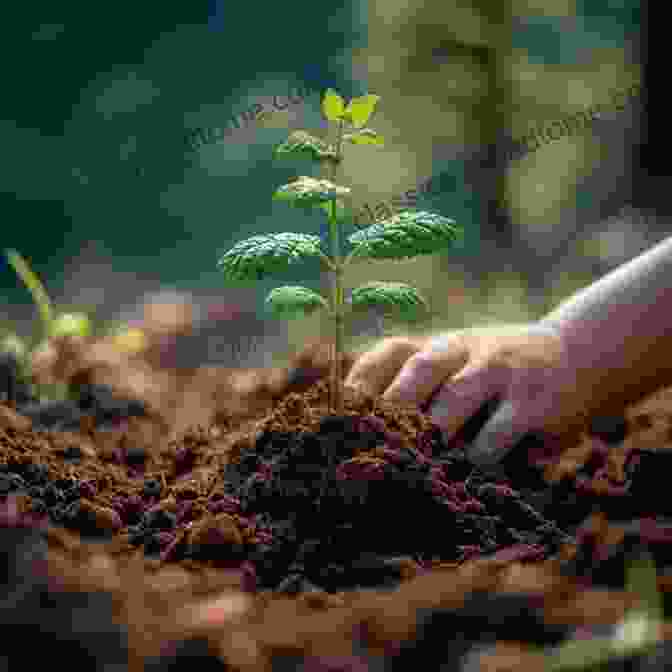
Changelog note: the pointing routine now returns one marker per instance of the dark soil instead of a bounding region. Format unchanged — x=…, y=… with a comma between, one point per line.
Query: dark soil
x=363, y=541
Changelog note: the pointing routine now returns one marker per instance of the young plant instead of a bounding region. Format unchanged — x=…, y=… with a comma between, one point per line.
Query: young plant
x=66, y=324
x=405, y=235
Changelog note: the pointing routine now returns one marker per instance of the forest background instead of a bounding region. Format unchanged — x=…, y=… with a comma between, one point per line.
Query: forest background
x=99, y=192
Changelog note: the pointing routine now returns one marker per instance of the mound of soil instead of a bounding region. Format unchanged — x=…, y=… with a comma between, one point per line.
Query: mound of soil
x=362, y=541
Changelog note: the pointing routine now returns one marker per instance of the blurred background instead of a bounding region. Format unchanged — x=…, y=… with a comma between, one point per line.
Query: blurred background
x=100, y=193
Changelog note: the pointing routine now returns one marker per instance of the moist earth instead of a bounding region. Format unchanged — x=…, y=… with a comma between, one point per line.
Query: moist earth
x=362, y=539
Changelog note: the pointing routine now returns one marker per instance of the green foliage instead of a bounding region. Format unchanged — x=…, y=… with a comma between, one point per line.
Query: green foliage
x=307, y=192
x=403, y=299
x=364, y=137
x=360, y=109
x=294, y=301
x=357, y=113
x=333, y=106
x=405, y=235
x=261, y=256
x=302, y=144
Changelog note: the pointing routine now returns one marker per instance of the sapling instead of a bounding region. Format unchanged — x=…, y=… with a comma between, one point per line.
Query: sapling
x=406, y=234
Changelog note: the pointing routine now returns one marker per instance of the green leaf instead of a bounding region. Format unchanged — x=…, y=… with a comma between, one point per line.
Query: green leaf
x=294, y=301
x=366, y=136
x=396, y=297
x=70, y=324
x=405, y=235
x=333, y=106
x=302, y=144
x=641, y=579
x=360, y=109
x=260, y=256
x=308, y=191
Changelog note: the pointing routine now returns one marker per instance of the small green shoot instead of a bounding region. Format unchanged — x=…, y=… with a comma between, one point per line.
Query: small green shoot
x=405, y=235
x=67, y=324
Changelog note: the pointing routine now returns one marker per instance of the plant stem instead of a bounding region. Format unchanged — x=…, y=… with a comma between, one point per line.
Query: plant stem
x=34, y=286
x=337, y=300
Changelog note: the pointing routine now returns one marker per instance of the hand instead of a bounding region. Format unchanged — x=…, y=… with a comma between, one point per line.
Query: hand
x=451, y=375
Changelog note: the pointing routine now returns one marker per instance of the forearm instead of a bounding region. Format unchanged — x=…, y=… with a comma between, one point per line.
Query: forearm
x=619, y=329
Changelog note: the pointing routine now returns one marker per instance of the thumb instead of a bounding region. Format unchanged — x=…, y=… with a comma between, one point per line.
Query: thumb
x=499, y=435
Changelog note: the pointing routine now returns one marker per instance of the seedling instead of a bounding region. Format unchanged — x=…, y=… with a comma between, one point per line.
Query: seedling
x=405, y=235
x=67, y=324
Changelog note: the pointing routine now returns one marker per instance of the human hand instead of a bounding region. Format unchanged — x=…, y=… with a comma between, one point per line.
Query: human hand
x=453, y=374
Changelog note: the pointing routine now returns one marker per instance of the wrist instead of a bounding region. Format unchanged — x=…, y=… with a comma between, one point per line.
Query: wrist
x=613, y=364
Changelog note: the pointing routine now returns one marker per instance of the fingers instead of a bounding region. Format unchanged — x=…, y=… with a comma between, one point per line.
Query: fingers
x=427, y=369
x=462, y=396
x=526, y=404
x=375, y=370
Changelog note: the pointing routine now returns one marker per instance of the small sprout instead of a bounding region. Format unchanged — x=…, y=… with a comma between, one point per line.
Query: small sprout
x=68, y=324
x=357, y=113
x=405, y=235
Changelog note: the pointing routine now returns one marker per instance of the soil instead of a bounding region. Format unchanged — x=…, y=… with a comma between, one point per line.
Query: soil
x=360, y=542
